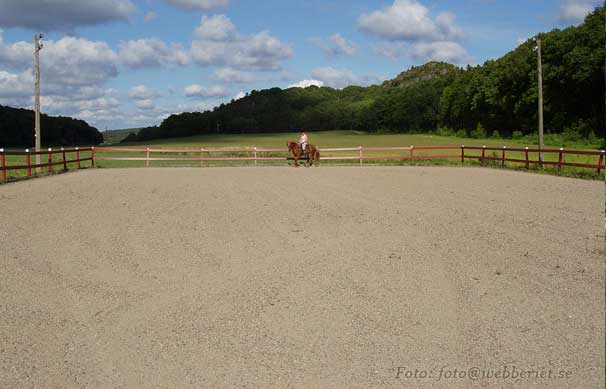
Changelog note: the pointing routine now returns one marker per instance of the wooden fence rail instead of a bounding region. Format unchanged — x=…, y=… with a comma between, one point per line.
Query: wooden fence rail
x=50, y=162
x=259, y=154
x=402, y=153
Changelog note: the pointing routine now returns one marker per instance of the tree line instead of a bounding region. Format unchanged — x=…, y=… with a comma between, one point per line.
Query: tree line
x=17, y=129
x=496, y=98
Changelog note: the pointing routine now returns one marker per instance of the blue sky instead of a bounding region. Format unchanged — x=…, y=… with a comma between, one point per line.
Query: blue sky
x=131, y=63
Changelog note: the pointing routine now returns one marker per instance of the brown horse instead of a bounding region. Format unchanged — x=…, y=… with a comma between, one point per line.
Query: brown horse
x=311, y=151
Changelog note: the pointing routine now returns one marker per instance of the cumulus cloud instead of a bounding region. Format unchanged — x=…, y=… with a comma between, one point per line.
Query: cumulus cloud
x=204, y=5
x=392, y=50
x=68, y=61
x=63, y=15
x=574, y=11
x=340, y=78
x=240, y=95
x=409, y=20
x=196, y=90
x=335, y=45
x=145, y=104
x=16, y=85
x=152, y=52
x=142, y=92
x=217, y=42
x=233, y=76
x=307, y=83
x=450, y=52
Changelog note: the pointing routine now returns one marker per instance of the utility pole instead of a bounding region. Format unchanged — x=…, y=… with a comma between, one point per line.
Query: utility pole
x=540, y=72
x=37, y=48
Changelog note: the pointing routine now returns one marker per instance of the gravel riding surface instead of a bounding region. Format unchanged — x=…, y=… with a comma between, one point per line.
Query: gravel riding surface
x=320, y=277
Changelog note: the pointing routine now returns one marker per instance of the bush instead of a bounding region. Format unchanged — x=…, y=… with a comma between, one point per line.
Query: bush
x=461, y=134
x=444, y=131
x=479, y=132
x=517, y=135
x=496, y=135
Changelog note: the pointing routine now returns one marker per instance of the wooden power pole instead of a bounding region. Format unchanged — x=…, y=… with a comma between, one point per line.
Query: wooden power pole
x=540, y=72
x=37, y=48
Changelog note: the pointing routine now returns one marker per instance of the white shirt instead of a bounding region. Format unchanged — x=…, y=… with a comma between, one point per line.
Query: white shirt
x=303, y=139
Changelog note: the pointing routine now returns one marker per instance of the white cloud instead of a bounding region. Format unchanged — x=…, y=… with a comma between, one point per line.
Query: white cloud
x=341, y=78
x=450, y=52
x=391, y=50
x=335, y=45
x=306, y=83
x=196, y=90
x=142, y=92
x=204, y=5
x=16, y=85
x=145, y=104
x=409, y=20
x=216, y=42
x=216, y=28
x=574, y=11
x=235, y=76
x=151, y=52
x=240, y=95
x=62, y=15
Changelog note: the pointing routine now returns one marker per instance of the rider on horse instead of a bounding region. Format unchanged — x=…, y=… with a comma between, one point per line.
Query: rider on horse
x=303, y=142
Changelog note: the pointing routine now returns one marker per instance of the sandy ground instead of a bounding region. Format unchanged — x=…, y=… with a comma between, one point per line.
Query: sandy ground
x=321, y=277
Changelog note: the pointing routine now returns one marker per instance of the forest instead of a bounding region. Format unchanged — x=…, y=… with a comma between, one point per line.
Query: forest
x=498, y=98
x=17, y=129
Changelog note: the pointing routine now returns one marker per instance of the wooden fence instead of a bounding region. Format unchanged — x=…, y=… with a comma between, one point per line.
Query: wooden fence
x=402, y=153
x=255, y=154
x=49, y=160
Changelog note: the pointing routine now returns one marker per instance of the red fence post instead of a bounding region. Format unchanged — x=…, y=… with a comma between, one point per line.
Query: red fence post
x=601, y=161
x=78, y=156
x=3, y=162
x=255, y=154
x=412, y=148
x=64, y=160
x=483, y=155
x=526, y=152
x=560, y=160
x=147, y=157
x=28, y=162
x=92, y=155
x=50, y=160
x=201, y=157
x=360, y=153
x=503, y=157
x=462, y=153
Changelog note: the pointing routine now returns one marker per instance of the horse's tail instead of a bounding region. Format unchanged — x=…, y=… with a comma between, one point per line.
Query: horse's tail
x=317, y=155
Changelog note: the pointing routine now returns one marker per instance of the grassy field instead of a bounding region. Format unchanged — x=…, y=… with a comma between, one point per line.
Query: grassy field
x=333, y=139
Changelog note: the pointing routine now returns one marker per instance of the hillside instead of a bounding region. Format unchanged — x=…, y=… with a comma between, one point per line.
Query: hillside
x=422, y=73
x=498, y=97
x=17, y=129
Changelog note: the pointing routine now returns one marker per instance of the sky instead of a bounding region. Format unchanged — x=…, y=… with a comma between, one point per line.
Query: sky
x=132, y=63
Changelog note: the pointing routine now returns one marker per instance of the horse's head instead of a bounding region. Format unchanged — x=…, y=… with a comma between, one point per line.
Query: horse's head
x=291, y=145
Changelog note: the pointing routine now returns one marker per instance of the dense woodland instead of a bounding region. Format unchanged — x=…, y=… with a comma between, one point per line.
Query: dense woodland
x=496, y=98
x=17, y=130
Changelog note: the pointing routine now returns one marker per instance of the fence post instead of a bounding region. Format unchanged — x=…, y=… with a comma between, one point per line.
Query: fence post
x=50, y=160
x=201, y=157
x=147, y=157
x=526, y=152
x=92, y=155
x=78, y=156
x=3, y=162
x=28, y=162
x=560, y=160
x=503, y=157
x=360, y=154
x=412, y=151
x=601, y=161
x=483, y=155
x=64, y=160
x=462, y=153
x=255, y=154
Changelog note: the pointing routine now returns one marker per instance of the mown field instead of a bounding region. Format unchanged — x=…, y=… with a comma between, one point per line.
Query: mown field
x=333, y=139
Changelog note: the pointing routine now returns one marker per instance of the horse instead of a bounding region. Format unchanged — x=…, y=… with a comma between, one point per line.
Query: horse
x=312, y=152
